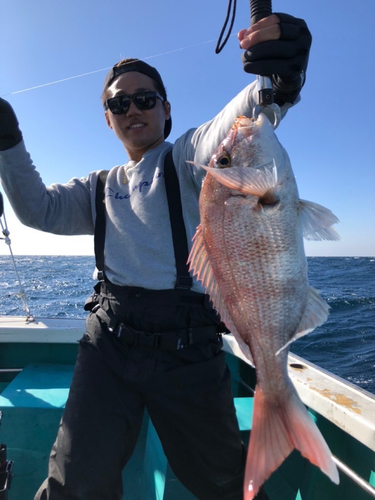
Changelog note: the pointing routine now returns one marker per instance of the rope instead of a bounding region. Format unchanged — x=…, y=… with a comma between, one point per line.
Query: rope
x=220, y=44
x=21, y=293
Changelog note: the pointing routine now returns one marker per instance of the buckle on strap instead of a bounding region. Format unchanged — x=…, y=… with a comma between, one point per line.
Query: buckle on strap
x=183, y=283
x=151, y=340
x=138, y=339
x=188, y=340
x=101, y=276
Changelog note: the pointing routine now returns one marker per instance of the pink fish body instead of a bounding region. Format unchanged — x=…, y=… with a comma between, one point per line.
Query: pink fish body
x=248, y=252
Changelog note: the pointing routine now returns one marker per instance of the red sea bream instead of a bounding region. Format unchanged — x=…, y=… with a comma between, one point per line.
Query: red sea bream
x=248, y=252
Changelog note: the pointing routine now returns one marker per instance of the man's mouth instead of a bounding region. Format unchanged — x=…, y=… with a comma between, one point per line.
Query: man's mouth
x=137, y=125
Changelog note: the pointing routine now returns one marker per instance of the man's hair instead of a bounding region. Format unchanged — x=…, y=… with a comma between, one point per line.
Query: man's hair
x=158, y=84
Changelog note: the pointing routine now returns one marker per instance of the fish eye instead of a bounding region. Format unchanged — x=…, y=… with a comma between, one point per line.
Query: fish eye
x=224, y=161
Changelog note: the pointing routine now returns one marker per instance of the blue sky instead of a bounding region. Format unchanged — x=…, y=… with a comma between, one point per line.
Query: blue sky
x=329, y=135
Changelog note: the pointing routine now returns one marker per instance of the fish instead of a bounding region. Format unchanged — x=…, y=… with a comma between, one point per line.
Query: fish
x=248, y=252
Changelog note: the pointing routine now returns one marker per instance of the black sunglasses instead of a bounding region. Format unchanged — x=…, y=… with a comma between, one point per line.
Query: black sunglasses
x=145, y=99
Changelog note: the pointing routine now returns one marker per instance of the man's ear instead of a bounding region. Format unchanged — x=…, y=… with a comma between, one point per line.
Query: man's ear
x=106, y=114
x=167, y=109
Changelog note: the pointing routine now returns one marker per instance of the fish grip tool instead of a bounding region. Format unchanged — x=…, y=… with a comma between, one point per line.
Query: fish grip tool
x=258, y=10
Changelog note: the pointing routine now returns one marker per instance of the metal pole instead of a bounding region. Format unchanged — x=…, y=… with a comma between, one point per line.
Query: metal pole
x=258, y=10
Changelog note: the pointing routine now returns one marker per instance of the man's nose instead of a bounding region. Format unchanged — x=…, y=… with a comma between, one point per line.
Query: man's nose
x=133, y=109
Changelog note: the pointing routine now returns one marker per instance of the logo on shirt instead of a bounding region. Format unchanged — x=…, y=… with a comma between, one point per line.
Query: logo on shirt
x=140, y=188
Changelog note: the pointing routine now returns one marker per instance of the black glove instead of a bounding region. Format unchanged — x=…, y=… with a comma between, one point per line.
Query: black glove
x=10, y=134
x=283, y=60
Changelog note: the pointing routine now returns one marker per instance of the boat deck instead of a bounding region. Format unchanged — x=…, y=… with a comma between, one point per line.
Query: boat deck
x=36, y=365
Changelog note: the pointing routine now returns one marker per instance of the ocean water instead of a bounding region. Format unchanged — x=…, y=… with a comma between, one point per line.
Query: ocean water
x=345, y=344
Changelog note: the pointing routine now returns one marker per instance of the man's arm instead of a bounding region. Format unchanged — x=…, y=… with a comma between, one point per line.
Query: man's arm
x=60, y=208
x=276, y=46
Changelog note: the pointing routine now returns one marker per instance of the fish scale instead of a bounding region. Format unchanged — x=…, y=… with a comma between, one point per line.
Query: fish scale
x=248, y=252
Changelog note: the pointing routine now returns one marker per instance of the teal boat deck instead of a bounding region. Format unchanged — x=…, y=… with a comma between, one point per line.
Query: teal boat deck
x=32, y=403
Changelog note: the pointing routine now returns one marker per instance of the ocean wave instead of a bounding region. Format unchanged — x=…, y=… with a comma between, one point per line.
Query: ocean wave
x=59, y=286
x=343, y=303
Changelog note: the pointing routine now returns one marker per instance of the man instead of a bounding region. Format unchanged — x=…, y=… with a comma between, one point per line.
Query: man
x=150, y=342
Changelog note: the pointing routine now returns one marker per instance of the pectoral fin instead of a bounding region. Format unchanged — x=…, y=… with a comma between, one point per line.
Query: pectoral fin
x=317, y=221
x=252, y=181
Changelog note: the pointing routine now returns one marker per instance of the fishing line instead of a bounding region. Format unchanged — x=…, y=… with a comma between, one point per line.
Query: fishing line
x=105, y=69
x=56, y=81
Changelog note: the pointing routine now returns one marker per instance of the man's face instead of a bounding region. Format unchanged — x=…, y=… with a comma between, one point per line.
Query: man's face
x=138, y=130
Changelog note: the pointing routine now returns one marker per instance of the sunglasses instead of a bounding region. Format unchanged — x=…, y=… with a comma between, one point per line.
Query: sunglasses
x=145, y=99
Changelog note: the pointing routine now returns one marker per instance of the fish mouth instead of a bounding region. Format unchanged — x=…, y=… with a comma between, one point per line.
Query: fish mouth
x=244, y=126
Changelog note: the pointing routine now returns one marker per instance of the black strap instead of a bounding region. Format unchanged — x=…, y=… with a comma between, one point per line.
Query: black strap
x=180, y=245
x=177, y=339
x=99, y=235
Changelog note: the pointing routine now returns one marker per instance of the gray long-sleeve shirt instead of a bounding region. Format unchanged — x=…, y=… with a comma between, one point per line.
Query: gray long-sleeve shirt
x=138, y=241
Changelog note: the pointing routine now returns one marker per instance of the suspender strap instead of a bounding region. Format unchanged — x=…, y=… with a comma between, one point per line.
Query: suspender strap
x=180, y=245
x=99, y=235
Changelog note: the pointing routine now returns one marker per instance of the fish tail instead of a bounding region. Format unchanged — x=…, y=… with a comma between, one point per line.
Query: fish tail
x=277, y=430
